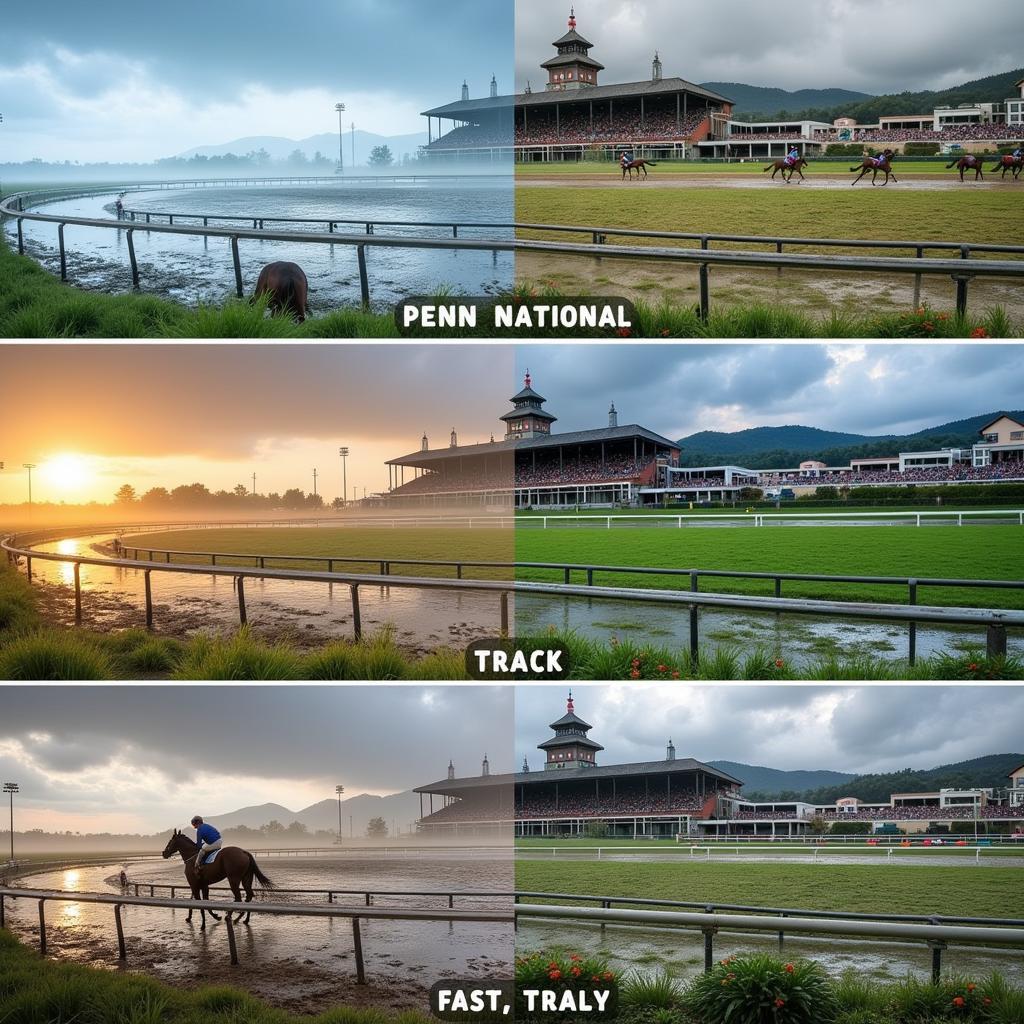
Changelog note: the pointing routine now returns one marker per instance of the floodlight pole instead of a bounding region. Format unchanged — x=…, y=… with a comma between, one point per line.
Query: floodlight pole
x=343, y=452
x=353, y=161
x=340, y=108
x=339, y=790
x=314, y=483
x=29, y=466
x=11, y=788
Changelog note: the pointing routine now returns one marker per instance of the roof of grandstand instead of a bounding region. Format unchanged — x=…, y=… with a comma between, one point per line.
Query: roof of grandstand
x=422, y=458
x=679, y=765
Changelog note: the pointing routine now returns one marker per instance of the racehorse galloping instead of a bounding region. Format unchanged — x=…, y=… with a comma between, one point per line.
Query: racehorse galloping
x=785, y=165
x=873, y=164
x=968, y=163
x=1009, y=163
x=233, y=863
x=287, y=287
x=638, y=166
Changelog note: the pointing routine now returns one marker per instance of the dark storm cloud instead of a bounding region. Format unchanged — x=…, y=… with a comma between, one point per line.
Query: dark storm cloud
x=872, y=46
x=385, y=738
x=872, y=389
x=849, y=729
x=197, y=47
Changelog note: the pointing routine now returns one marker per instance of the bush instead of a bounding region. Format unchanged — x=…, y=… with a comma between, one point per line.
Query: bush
x=53, y=657
x=562, y=972
x=760, y=989
x=241, y=656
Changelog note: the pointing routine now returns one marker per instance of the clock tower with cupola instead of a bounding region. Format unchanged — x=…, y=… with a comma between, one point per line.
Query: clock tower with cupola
x=570, y=747
x=528, y=418
x=572, y=67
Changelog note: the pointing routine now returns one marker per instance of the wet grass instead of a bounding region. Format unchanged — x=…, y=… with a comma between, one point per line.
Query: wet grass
x=34, y=990
x=863, y=888
x=990, y=552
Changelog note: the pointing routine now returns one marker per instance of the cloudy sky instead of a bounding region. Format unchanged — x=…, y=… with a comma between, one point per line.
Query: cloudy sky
x=843, y=728
x=117, y=80
x=679, y=389
x=871, y=46
x=98, y=759
x=288, y=408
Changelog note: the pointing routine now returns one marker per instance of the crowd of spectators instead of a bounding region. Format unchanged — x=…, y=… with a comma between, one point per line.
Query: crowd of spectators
x=542, y=128
x=585, y=471
x=688, y=482
x=959, y=472
x=950, y=133
x=885, y=813
x=747, y=815
x=623, y=805
x=470, y=136
x=472, y=810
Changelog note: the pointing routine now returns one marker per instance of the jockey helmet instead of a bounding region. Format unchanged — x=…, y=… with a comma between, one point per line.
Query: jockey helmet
x=196, y=820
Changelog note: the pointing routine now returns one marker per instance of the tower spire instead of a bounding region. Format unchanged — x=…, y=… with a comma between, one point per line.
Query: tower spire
x=569, y=705
x=572, y=17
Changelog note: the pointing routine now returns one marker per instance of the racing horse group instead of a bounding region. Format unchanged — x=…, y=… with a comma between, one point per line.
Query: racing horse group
x=1007, y=162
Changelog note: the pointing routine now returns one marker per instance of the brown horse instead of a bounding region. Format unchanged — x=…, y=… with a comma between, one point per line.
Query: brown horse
x=1009, y=163
x=873, y=164
x=638, y=166
x=287, y=287
x=782, y=165
x=968, y=163
x=233, y=863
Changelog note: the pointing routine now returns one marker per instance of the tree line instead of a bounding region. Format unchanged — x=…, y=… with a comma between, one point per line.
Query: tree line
x=199, y=496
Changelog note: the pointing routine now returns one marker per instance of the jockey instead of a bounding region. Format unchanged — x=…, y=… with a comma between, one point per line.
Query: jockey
x=627, y=157
x=1018, y=153
x=792, y=156
x=208, y=838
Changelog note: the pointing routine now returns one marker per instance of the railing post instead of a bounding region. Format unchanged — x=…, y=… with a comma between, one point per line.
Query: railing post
x=709, y=948
x=936, y=946
x=2, y=912
x=912, y=626
x=917, y=280
x=995, y=641
x=357, y=942
x=131, y=257
x=364, y=284
x=357, y=622
x=122, y=953
x=42, y=928
x=590, y=577
x=694, y=625
x=63, y=253
x=149, y=598
x=961, y=294
x=242, y=617
x=21, y=238
x=28, y=567
x=705, y=300
x=236, y=260
x=504, y=613
x=78, y=593
x=231, y=939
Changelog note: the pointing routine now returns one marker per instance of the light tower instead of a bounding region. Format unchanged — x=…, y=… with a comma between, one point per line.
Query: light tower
x=340, y=108
x=339, y=790
x=11, y=788
x=29, y=466
x=343, y=452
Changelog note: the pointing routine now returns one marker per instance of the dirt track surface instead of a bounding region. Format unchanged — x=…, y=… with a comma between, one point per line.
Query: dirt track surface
x=826, y=181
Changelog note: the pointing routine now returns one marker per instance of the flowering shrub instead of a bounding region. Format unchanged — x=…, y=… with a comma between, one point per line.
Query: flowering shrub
x=761, y=989
x=561, y=971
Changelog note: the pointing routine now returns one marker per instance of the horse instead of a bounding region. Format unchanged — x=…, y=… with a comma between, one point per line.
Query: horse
x=874, y=164
x=1009, y=163
x=638, y=166
x=287, y=287
x=785, y=165
x=968, y=163
x=233, y=863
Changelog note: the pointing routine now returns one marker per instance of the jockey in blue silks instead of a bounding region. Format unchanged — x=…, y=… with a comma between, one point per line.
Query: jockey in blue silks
x=208, y=838
x=792, y=157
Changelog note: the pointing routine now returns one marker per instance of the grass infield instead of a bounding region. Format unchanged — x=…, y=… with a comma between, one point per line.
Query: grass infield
x=992, y=892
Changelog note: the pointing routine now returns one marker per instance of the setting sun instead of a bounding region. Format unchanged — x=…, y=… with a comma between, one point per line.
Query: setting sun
x=67, y=472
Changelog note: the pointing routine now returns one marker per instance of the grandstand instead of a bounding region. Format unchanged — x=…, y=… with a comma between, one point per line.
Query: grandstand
x=674, y=796
x=532, y=466
x=576, y=116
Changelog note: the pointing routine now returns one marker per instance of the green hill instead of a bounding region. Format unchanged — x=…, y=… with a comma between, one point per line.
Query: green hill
x=988, y=772
x=759, y=100
x=767, y=447
x=772, y=780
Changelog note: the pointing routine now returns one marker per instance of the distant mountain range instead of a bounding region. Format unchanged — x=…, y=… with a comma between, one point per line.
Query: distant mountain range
x=988, y=772
x=828, y=104
x=280, y=148
x=400, y=808
x=766, y=447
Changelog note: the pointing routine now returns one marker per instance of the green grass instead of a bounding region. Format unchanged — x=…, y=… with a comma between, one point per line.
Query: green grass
x=971, y=216
x=34, y=990
x=864, y=888
x=990, y=552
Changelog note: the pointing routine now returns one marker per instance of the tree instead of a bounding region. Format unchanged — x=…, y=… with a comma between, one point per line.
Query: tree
x=293, y=498
x=596, y=829
x=381, y=156
x=125, y=495
x=817, y=826
x=272, y=827
x=297, y=158
x=298, y=828
x=338, y=503
x=376, y=828
x=156, y=496
x=240, y=491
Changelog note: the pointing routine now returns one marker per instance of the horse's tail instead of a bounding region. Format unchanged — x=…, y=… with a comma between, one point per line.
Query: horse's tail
x=768, y=168
x=260, y=877
x=953, y=164
x=650, y=163
x=859, y=167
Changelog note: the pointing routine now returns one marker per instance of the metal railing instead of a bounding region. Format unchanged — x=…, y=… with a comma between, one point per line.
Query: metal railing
x=996, y=621
x=962, y=270
x=710, y=923
x=693, y=575
x=759, y=519
x=355, y=914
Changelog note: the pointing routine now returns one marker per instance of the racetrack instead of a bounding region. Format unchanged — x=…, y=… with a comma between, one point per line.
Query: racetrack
x=826, y=181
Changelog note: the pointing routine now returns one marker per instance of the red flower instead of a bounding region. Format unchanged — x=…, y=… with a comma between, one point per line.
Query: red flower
x=553, y=966
x=554, y=975
x=972, y=667
x=971, y=986
x=635, y=674
x=665, y=332
x=780, y=1003
x=576, y=958
x=959, y=1001
x=607, y=976
x=979, y=332
x=779, y=663
x=790, y=968
x=576, y=972
x=594, y=977
x=662, y=668
x=675, y=673
x=623, y=332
